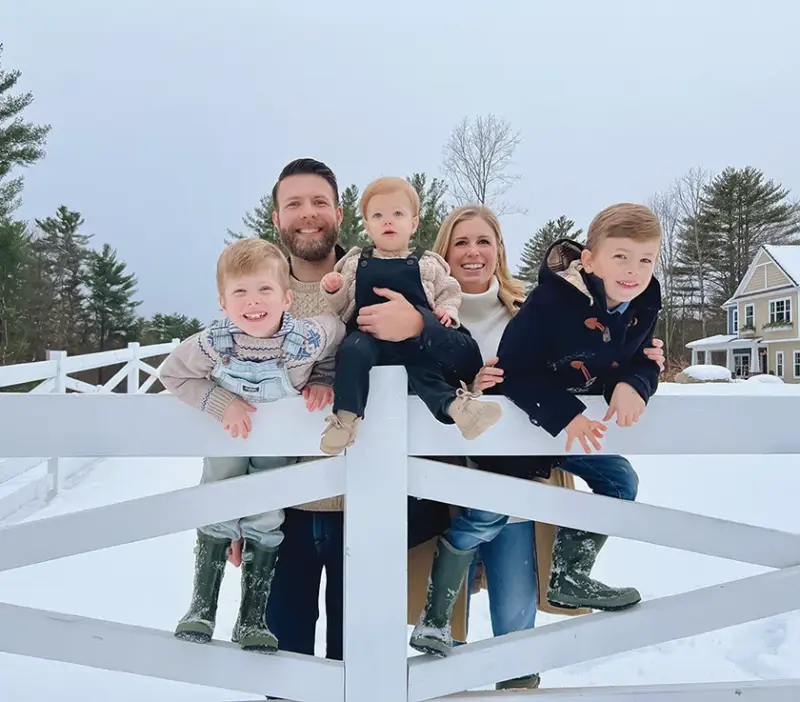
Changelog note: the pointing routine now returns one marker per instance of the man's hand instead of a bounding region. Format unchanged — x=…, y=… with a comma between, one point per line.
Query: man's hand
x=442, y=316
x=627, y=404
x=317, y=396
x=235, y=553
x=236, y=418
x=585, y=430
x=395, y=320
x=488, y=376
x=656, y=353
x=332, y=281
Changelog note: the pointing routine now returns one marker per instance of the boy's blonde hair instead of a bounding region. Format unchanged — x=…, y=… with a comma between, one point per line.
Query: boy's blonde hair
x=512, y=291
x=246, y=256
x=386, y=185
x=625, y=220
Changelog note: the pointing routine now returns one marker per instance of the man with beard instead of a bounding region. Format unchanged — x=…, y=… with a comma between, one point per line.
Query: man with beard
x=307, y=216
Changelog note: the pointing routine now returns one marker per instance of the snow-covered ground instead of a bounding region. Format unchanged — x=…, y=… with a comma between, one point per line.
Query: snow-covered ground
x=148, y=583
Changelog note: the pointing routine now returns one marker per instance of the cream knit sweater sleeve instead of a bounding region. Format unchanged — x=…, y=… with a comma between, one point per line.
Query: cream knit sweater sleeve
x=343, y=302
x=187, y=374
x=442, y=287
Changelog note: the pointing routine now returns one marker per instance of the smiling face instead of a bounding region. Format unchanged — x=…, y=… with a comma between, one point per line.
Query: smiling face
x=472, y=254
x=624, y=265
x=390, y=220
x=306, y=216
x=255, y=302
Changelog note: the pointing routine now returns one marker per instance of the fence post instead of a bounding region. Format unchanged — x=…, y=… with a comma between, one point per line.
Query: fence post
x=133, y=368
x=376, y=546
x=59, y=385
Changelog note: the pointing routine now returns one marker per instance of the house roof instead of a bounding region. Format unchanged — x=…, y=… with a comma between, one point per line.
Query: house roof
x=720, y=340
x=786, y=257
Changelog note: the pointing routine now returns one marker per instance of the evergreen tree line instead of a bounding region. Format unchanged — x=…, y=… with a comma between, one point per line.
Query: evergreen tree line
x=56, y=290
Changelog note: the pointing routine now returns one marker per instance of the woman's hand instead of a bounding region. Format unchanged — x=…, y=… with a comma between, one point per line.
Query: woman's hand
x=488, y=376
x=656, y=353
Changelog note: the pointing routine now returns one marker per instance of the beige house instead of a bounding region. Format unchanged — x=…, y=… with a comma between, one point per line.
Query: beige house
x=763, y=334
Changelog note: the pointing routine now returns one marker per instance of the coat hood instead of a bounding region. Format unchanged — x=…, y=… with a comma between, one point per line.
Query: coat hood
x=562, y=264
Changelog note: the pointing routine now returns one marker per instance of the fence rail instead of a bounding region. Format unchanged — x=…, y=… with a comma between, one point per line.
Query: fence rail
x=384, y=466
x=54, y=377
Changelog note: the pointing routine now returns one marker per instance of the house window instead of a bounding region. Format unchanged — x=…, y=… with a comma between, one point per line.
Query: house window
x=780, y=311
x=797, y=364
x=741, y=363
x=750, y=316
x=735, y=321
x=779, y=364
x=701, y=358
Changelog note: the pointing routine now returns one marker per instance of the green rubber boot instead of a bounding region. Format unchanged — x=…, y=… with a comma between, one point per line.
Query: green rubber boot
x=574, y=556
x=211, y=554
x=527, y=682
x=432, y=633
x=251, y=631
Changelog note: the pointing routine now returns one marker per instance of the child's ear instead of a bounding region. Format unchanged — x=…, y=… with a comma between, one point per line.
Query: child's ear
x=414, y=224
x=222, y=304
x=288, y=300
x=586, y=260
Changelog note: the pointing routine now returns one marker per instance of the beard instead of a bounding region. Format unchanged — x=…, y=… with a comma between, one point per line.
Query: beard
x=311, y=250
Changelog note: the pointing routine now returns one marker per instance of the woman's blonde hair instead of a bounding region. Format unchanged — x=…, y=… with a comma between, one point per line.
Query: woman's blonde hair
x=512, y=291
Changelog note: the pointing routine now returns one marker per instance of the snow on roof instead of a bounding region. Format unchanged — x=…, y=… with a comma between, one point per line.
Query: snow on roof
x=713, y=340
x=788, y=258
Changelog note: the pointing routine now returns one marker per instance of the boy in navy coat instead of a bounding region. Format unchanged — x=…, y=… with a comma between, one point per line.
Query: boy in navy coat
x=582, y=331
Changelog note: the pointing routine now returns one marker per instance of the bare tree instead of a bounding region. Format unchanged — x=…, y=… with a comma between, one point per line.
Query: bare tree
x=665, y=206
x=692, y=258
x=477, y=156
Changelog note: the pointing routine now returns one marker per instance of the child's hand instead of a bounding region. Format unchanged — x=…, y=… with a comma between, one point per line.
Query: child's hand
x=582, y=428
x=317, y=396
x=627, y=404
x=442, y=316
x=237, y=418
x=332, y=281
x=488, y=376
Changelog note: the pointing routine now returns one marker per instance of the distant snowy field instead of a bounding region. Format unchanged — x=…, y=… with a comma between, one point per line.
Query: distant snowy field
x=148, y=583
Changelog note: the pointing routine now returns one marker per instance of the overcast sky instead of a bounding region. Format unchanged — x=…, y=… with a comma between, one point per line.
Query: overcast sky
x=172, y=117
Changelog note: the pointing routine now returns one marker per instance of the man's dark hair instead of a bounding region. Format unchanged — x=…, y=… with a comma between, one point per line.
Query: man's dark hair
x=307, y=166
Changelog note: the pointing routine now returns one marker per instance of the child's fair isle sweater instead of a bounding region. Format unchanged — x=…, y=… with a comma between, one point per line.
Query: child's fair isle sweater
x=441, y=289
x=187, y=371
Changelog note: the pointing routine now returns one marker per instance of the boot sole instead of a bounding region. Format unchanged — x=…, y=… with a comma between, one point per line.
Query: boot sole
x=432, y=647
x=193, y=636
x=255, y=643
x=593, y=604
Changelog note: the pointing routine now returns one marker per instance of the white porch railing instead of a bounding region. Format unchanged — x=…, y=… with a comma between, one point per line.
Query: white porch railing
x=54, y=376
x=376, y=474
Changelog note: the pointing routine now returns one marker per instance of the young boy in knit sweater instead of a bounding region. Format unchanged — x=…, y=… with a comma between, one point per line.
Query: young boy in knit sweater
x=258, y=353
x=390, y=208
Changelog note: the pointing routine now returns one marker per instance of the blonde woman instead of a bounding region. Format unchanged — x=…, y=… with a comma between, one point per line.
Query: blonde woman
x=471, y=241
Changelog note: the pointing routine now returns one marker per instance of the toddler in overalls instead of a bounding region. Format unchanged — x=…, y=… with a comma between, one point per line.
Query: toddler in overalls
x=258, y=353
x=390, y=208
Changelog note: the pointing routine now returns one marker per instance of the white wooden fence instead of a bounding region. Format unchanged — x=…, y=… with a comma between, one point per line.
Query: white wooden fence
x=375, y=475
x=53, y=376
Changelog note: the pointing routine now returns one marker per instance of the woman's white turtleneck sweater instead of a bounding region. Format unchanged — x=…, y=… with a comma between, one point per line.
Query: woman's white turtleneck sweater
x=486, y=317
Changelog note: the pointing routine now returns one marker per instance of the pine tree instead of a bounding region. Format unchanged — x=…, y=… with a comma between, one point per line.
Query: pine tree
x=535, y=248
x=258, y=223
x=162, y=328
x=740, y=211
x=15, y=252
x=21, y=143
x=433, y=208
x=63, y=254
x=351, y=231
x=110, y=300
